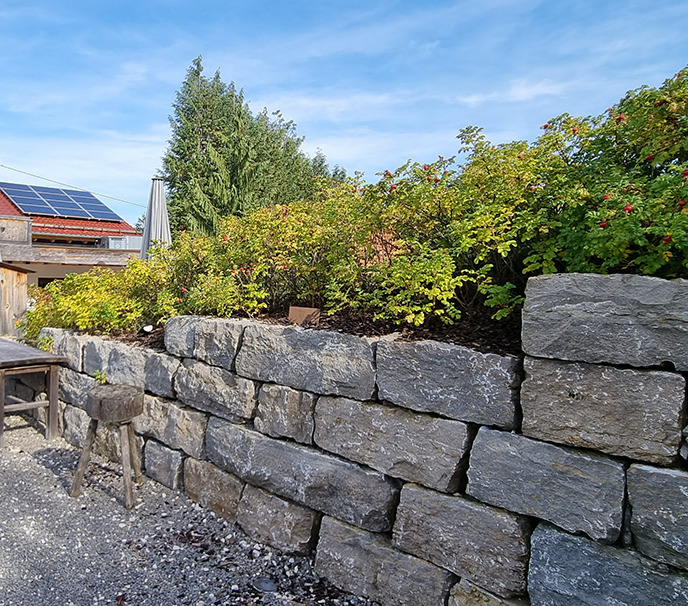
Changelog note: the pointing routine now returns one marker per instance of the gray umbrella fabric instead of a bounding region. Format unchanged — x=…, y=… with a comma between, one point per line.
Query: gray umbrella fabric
x=157, y=227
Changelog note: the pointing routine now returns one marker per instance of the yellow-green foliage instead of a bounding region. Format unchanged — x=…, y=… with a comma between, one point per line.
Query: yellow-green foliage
x=427, y=241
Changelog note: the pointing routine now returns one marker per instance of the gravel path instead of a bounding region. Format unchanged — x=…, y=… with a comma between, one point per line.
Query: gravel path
x=167, y=551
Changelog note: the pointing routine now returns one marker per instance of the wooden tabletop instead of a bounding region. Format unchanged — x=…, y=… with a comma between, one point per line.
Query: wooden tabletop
x=13, y=355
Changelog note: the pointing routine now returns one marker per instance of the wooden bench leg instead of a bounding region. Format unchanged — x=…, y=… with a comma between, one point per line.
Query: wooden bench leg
x=83, y=462
x=51, y=430
x=135, y=463
x=126, y=464
x=2, y=408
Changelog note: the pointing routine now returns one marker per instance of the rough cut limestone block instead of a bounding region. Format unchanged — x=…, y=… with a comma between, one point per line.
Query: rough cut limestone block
x=176, y=426
x=659, y=518
x=467, y=594
x=578, y=491
x=450, y=380
x=486, y=545
x=319, y=481
x=159, y=371
x=217, y=340
x=618, y=319
x=628, y=413
x=121, y=364
x=400, y=443
x=212, y=488
x=285, y=412
x=570, y=571
x=95, y=355
x=73, y=386
x=367, y=565
x=164, y=465
x=215, y=390
x=268, y=519
x=318, y=361
x=180, y=335
x=67, y=343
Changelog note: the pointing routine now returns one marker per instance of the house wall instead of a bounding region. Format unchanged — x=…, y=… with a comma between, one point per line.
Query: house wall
x=421, y=472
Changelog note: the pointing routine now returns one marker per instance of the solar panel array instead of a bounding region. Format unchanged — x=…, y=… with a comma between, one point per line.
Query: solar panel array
x=54, y=202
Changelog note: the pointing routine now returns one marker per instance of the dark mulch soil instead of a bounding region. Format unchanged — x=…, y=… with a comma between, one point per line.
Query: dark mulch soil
x=474, y=329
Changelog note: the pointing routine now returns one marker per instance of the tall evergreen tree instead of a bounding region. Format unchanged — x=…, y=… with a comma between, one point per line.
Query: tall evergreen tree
x=223, y=160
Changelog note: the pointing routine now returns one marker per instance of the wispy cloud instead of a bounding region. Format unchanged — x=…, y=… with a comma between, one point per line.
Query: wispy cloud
x=518, y=91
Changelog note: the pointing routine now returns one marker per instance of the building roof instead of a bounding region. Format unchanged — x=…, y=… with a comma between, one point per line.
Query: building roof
x=61, y=226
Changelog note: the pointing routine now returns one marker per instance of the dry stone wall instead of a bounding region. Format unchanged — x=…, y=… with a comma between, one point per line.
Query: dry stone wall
x=427, y=473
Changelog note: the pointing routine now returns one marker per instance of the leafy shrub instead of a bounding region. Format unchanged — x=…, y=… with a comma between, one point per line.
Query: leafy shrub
x=599, y=194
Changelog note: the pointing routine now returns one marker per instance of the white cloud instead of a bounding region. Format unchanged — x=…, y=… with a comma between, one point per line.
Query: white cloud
x=520, y=90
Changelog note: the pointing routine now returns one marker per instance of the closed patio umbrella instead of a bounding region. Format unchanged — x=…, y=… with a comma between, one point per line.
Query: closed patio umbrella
x=157, y=227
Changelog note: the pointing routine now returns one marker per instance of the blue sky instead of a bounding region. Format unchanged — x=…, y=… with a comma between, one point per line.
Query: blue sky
x=87, y=87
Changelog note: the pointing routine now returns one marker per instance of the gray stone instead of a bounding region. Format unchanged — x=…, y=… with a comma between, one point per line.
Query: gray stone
x=180, y=335
x=73, y=386
x=319, y=481
x=212, y=488
x=322, y=362
x=120, y=363
x=659, y=518
x=217, y=340
x=164, y=465
x=159, y=371
x=176, y=426
x=488, y=546
x=617, y=319
x=450, y=380
x=215, y=390
x=67, y=343
x=269, y=519
x=285, y=412
x=467, y=594
x=35, y=381
x=628, y=413
x=400, y=443
x=367, y=565
x=570, y=571
x=578, y=491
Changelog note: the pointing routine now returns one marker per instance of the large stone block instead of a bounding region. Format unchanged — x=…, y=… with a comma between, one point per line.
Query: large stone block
x=617, y=319
x=180, y=335
x=159, y=370
x=73, y=386
x=450, y=380
x=269, y=519
x=215, y=390
x=659, y=518
x=319, y=481
x=467, y=594
x=122, y=364
x=212, y=488
x=67, y=343
x=367, y=565
x=578, y=491
x=285, y=412
x=318, y=361
x=176, y=426
x=164, y=465
x=488, y=546
x=217, y=340
x=628, y=413
x=570, y=571
x=400, y=443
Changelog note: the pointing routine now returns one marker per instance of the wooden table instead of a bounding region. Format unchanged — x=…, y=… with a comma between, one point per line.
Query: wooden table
x=18, y=359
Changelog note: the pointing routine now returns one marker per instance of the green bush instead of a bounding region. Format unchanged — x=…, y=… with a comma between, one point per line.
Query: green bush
x=599, y=194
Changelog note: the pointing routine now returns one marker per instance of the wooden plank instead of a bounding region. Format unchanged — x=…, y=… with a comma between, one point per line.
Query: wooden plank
x=13, y=355
x=22, y=253
x=13, y=299
x=26, y=406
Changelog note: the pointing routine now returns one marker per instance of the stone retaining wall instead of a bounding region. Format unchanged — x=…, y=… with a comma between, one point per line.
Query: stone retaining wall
x=427, y=473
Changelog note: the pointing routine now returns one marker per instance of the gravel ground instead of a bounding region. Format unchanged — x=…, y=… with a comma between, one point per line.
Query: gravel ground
x=167, y=551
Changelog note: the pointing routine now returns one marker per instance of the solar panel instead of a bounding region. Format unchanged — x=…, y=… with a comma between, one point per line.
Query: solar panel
x=55, y=202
